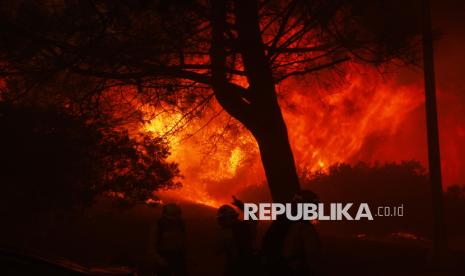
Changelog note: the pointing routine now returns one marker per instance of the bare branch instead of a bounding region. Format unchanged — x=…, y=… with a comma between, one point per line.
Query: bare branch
x=312, y=69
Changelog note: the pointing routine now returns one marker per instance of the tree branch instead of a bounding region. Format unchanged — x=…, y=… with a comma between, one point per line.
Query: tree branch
x=225, y=92
x=312, y=69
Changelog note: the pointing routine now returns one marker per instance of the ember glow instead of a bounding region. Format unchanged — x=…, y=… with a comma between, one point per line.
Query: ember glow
x=327, y=125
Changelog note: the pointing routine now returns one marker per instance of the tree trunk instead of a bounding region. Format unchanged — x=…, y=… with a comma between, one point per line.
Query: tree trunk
x=276, y=154
x=257, y=106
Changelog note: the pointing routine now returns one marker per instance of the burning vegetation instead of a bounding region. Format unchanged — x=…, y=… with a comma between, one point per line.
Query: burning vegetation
x=245, y=93
x=333, y=124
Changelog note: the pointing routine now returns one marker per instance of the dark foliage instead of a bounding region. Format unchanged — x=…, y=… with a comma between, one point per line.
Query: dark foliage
x=54, y=162
x=389, y=184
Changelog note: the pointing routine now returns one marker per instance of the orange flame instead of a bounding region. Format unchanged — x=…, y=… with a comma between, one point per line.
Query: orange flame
x=325, y=127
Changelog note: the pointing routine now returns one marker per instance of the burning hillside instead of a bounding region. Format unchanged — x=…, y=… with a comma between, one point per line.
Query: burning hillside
x=344, y=122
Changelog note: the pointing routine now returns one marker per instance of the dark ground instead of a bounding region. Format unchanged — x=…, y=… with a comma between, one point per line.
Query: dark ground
x=107, y=236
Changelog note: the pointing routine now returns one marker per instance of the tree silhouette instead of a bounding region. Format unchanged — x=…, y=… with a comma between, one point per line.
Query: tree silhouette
x=54, y=162
x=184, y=53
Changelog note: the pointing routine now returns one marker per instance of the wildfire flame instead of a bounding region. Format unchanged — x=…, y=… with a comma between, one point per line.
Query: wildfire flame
x=326, y=126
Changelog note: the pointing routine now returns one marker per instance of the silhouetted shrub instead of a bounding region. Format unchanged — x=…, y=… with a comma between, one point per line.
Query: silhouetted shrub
x=51, y=161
